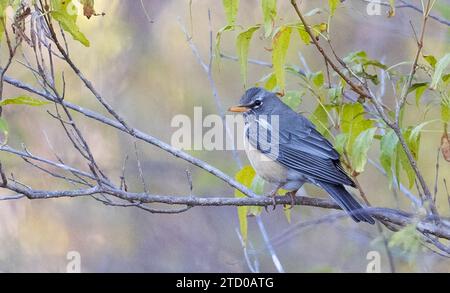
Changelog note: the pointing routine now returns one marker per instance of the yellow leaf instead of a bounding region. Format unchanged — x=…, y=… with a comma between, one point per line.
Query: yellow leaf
x=280, y=46
x=245, y=177
x=242, y=46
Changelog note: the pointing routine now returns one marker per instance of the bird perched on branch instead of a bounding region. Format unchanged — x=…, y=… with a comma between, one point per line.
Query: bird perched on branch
x=286, y=149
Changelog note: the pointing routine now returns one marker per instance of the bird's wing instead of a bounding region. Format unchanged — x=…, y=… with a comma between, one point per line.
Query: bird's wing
x=301, y=148
x=302, y=135
x=313, y=167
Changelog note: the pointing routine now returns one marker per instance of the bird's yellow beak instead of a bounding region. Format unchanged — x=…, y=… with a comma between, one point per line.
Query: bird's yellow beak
x=239, y=109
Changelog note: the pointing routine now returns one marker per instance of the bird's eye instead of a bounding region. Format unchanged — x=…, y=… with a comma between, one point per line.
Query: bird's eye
x=258, y=103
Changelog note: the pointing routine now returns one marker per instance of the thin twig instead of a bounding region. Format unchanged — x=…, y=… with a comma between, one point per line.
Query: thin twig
x=437, y=175
x=269, y=246
x=141, y=173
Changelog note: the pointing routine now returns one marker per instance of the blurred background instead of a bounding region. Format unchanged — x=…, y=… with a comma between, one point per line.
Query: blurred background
x=148, y=72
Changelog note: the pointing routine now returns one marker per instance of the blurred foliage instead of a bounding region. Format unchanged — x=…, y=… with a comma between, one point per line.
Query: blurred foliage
x=408, y=240
x=140, y=64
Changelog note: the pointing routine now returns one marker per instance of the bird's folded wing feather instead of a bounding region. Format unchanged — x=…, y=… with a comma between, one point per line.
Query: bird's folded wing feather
x=302, y=148
x=315, y=168
x=302, y=135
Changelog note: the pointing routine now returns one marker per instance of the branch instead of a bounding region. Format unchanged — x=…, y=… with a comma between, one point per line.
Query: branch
x=394, y=217
x=355, y=87
x=137, y=134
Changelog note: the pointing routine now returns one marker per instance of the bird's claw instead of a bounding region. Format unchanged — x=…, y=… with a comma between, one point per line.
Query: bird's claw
x=292, y=196
x=274, y=202
x=273, y=195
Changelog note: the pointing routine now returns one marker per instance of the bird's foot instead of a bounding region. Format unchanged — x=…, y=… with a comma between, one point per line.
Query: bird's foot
x=292, y=196
x=273, y=195
x=274, y=202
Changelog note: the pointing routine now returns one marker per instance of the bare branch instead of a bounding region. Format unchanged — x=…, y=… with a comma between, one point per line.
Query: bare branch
x=138, y=135
x=394, y=217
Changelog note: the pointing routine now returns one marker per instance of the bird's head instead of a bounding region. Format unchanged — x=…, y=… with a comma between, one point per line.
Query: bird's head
x=257, y=101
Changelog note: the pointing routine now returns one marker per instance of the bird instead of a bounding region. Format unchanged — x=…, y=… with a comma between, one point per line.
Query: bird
x=286, y=149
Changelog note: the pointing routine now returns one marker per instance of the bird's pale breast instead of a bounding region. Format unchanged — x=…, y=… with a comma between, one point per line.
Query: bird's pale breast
x=265, y=167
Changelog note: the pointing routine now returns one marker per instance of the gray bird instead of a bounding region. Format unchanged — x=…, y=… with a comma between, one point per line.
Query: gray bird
x=293, y=152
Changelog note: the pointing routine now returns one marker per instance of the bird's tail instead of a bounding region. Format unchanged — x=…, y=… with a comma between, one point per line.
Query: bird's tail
x=346, y=201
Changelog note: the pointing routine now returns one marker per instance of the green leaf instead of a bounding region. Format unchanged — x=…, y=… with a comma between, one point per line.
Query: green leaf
x=356, y=57
x=217, y=51
x=293, y=99
x=445, y=110
x=388, y=147
x=271, y=82
x=441, y=65
x=340, y=141
x=419, y=88
x=431, y=60
x=280, y=46
x=446, y=77
x=360, y=57
x=4, y=4
x=419, y=93
x=413, y=143
x=245, y=177
x=316, y=30
x=269, y=8
x=231, y=9
x=68, y=23
x=304, y=36
x=23, y=100
x=320, y=119
x=360, y=149
x=242, y=45
x=335, y=94
x=374, y=63
x=318, y=79
x=414, y=134
x=4, y=130
x=333, y=4
x=319, y=28
x=360, y=64
x=353, y=122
